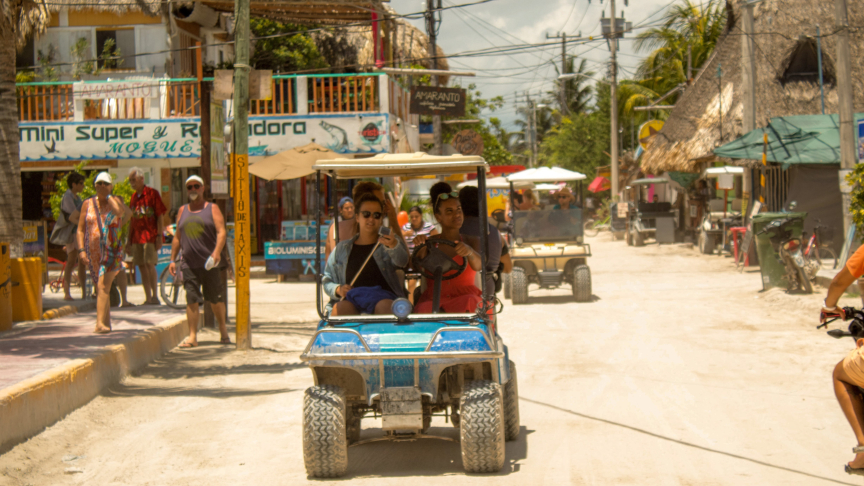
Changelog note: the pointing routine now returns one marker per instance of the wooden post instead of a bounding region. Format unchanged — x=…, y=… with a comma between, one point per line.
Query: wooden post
x=240, y=173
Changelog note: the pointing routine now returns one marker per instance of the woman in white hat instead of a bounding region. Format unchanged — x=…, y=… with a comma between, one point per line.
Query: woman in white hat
x=100, y=246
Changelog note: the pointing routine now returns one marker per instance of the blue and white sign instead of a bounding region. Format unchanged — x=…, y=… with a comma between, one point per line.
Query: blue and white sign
x=299, y=250
x=180, y=137
x=860, y=133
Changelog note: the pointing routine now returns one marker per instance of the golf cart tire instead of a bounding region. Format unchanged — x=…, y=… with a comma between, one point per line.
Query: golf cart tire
x=511, y=406
x=482, y=427
x=325, y=444
x=638, y=239
x=618, y=235
x=629, y=236
x=506, y=277
x=582, y=283
x=519, y=286
x=706, y=243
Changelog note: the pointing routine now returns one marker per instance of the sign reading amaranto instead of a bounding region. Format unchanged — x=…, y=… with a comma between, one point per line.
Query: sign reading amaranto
x=148, y=88
x=428, y=100
x=180, y=137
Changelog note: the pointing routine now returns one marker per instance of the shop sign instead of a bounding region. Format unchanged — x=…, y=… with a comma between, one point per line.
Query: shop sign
x=302, y=230
x=298, y=250
x=860, y=136
x=148, y=88
x=344, y=134
x=218, y=157
x=180, y=137
x=428, y=100
x=110, y=139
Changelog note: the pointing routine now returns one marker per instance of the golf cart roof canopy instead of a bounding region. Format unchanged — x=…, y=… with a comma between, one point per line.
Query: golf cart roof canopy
x=546, y=174
x=729, y=169
x=497, y=183
x=649, y=180
x=394, y=165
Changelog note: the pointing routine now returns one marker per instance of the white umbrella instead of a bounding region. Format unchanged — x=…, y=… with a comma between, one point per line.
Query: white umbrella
x=729, y=169
x=546, y=174
x=291, y=164
x=497, y=183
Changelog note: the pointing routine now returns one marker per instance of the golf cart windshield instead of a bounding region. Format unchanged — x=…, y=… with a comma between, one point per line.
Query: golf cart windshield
x=548, y=225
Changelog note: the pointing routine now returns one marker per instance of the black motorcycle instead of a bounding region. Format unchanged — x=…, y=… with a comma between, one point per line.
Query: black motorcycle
x=789, y=248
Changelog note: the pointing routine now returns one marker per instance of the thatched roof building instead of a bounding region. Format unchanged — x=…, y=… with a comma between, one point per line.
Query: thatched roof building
x=786, y=80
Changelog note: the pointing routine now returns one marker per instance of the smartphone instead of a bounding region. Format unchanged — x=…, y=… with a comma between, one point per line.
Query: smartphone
x=384, y=231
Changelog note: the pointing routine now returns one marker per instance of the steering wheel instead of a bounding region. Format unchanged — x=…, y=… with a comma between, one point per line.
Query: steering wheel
x=435, y=259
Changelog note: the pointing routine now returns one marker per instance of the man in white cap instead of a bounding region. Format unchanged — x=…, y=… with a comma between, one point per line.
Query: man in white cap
x=145, y=232
x=201, y=235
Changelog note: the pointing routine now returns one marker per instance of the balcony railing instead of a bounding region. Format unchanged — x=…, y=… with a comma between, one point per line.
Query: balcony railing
x=181, y=98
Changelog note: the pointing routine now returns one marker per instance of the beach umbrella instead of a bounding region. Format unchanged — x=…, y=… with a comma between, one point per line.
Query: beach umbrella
x=291, y=164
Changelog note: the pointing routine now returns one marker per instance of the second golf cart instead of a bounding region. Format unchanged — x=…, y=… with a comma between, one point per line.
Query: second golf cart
x=548, y=244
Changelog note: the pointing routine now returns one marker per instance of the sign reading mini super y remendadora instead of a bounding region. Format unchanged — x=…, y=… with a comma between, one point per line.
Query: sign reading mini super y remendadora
x=180, y=137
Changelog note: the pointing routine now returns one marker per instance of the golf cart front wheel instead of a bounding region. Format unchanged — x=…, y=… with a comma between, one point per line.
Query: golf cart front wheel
x=519, y=284
x=511, y=406
x=582, y=283
x=482, y=427
x=506, y=277
x=706, y=243
x=325, y=442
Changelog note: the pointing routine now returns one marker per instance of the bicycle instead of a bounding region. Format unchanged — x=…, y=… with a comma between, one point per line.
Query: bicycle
x=592, y=228
x=171, y=287
x=56, y=285
x=817, y=250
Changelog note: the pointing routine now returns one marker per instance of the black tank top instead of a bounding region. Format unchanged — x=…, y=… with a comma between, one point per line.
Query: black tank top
x=371, y=274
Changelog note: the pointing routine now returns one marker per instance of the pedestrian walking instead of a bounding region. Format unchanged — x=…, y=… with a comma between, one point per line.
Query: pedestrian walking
x=100, y=245
x=145, y=232
x=66, y=231
x=201, y=236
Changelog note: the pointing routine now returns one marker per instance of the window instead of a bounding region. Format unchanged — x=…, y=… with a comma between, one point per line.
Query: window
x=802, y=65
x=124, y=41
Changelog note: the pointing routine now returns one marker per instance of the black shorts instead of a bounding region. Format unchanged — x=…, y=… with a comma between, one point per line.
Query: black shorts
x=211, y=281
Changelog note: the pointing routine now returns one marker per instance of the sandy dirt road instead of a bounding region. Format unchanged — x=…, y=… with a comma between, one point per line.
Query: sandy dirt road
x=679, y=373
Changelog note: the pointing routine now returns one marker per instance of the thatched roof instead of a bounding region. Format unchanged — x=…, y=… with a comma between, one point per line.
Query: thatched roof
x=693, y=129
x=328, y=12
x=350, y=48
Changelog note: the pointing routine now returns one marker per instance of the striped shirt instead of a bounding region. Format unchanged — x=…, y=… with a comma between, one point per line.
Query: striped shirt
x=424, y=231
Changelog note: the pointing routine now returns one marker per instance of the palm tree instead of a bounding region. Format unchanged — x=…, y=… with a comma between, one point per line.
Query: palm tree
x=687, y=25
x=18, y=19
x=577, y=88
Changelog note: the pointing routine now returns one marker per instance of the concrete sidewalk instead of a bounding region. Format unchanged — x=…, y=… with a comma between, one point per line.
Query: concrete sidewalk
x=50, y=368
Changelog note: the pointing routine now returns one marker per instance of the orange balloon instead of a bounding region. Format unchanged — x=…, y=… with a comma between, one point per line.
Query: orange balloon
x=402, y=217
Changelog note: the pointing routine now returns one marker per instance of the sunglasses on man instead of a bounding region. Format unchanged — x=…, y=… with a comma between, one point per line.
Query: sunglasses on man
x=101, y=183
x=367, y=214
x=193, y=187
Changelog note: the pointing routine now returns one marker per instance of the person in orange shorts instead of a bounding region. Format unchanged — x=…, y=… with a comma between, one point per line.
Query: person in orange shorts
x=849, y=373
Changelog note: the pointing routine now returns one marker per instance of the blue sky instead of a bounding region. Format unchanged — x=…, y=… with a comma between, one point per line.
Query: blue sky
x=503, y=22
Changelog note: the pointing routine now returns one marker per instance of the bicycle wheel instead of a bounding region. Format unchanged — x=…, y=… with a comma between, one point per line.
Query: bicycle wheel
x=172, y=290
x=827, y=257
x=591, y=228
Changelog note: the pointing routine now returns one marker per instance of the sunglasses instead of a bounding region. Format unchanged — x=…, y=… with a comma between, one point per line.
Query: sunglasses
x=445, y=196
x=375, y=215
x=194, y=186
x=564, y=196
x=100, y=183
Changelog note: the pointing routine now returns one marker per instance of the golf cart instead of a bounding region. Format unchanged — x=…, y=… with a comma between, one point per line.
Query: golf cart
x=716, y=217
x=650, y=219
x=406, y=368
x=548, y=245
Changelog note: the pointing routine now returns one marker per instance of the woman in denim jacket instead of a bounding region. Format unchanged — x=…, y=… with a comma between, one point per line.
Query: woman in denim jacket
x=376, y=285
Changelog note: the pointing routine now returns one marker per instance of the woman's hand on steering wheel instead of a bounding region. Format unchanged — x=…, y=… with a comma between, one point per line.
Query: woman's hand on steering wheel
x=463, y=250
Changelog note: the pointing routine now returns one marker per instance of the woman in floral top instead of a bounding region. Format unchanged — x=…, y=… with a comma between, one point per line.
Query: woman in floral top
x=100, y=245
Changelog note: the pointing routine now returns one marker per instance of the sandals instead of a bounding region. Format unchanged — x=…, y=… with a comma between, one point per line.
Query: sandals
x=187, y=344
x=225, y=340
x=851, y=470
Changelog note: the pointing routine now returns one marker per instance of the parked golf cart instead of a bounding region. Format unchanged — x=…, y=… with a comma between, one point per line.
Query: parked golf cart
x=649, y=217
x=717, y=217
x=548, y=246
x=407, y=368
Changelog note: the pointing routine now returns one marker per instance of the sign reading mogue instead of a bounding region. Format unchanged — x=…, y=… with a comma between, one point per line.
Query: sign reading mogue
x=180, y=137
x=428, y=100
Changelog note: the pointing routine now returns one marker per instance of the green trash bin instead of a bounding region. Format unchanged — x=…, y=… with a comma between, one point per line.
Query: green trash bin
x=772, y=268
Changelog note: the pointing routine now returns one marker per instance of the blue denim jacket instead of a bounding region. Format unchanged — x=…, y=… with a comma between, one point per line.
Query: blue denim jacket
x=388, y=262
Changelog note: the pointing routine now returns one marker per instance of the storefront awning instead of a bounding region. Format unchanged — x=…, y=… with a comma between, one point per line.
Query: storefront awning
x=799, y=139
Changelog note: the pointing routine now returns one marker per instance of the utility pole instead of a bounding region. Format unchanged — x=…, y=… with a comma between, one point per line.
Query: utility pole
x=242, y=250
x=532, y=130
x=844, y=92
x=431, y=30
x=748, y=87
x=613, y=46
x=563, y=87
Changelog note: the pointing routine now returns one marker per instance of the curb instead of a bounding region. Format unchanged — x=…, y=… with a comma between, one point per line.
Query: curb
x=67, y=310
x=29, y=407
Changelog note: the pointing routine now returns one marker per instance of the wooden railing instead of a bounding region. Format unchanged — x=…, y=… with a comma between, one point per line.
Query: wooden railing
x=181, y=98
x=184, y=98
x=45, y=101
x=281, y=102
x=343, y=93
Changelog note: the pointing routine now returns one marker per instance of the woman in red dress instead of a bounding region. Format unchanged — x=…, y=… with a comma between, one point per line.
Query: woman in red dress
x=458, y=295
